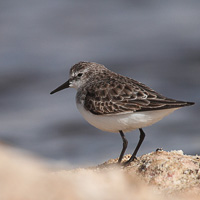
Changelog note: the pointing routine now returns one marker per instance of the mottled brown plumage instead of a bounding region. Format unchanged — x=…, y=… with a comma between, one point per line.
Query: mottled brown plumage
x=109, y=93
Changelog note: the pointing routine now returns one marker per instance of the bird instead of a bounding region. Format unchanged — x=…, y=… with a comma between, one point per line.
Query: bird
x=115, y=103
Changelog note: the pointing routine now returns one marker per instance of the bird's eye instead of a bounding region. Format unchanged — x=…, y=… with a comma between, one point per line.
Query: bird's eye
x=80, y=74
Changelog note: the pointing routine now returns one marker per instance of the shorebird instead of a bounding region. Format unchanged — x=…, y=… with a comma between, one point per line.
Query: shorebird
x=115, y=103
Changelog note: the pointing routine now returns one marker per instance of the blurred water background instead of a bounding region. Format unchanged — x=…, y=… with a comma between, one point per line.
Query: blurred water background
x=154, y=42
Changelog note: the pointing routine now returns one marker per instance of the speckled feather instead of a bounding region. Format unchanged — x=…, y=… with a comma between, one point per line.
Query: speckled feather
x=106, y=92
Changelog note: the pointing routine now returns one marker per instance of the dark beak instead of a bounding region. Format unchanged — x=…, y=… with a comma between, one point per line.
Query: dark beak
x=62, y=87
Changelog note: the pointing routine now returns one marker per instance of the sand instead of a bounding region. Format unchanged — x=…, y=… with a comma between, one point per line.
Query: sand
x=157, y=175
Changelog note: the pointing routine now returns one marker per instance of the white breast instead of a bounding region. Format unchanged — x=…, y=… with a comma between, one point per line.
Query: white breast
x=124, y=122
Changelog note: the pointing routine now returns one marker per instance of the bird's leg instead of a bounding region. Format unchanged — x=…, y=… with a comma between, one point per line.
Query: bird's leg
x=142, y=136
x=125, y=144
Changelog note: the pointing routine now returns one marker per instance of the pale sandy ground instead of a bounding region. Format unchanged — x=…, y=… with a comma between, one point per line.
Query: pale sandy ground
x=155, y=176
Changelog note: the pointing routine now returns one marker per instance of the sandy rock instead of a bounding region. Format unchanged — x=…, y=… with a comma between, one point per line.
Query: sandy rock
x=170, y=171
x=158, y=175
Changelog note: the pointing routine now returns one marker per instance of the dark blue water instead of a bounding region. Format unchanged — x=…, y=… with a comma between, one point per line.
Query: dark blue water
x=157, y=43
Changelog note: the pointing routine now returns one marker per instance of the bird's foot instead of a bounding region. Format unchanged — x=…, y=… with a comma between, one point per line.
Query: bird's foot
x=128, y=162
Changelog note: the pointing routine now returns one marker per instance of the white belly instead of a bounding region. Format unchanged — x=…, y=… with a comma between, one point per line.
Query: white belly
x=124, y=122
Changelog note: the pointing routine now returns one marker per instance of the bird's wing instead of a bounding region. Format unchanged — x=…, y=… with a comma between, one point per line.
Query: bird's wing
x=118, y=96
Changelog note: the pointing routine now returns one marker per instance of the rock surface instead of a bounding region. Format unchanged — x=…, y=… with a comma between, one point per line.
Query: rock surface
x=157, y=175
x=170, y=172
